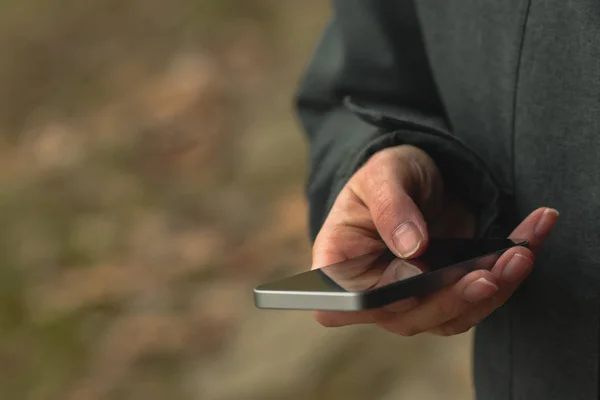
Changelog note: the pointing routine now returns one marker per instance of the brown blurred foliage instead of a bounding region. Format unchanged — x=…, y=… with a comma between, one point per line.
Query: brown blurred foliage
x=151, y=173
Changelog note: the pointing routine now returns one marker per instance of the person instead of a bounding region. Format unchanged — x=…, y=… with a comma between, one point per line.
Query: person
x=474, y=118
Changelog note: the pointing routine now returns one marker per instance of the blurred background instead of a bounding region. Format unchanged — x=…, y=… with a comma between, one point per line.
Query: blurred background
x=151, y=173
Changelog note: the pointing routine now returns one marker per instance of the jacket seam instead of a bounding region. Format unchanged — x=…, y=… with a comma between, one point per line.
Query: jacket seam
x=513, y=175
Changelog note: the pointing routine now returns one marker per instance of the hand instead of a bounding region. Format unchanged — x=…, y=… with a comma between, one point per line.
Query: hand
x=397, y=199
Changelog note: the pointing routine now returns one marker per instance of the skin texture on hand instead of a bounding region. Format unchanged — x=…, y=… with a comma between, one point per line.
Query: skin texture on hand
x=397, y=200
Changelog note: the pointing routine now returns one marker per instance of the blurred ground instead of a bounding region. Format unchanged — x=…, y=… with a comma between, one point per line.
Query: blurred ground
x=151, y=174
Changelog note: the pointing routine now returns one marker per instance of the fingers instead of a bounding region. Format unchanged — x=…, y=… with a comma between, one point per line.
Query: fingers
x=382, y=202
x=457, y=308
x=387, y=186
x=452, y=310
x=396, y=217
x=348, y=232
x=445, y=305
x=511, y=269
x=536, y=227
x=334, y=319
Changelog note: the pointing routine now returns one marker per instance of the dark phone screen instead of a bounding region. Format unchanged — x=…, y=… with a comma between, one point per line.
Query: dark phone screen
x=380, y=269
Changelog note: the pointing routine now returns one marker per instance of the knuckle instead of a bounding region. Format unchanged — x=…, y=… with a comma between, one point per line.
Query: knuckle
x=453, y=329
x=337, y=233
x=407, y=330
x=398, y=327
x=411, y=332
x=462, y=329
x=383, y=157
x=382, y=208
x=443, y=331
x=475, y=320
x=328, y=240
x=497, y=301
x=449, y=308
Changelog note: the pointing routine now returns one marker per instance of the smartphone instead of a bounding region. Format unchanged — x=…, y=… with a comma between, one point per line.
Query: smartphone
x=377, y=279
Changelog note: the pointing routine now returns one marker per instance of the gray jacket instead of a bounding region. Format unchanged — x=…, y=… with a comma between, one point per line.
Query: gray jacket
x=505, y=96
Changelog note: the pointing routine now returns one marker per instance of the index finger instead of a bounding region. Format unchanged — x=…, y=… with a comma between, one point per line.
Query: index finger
x=536, y=227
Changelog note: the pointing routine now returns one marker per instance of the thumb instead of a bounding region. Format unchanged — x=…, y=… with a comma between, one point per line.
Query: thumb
x=386, y=187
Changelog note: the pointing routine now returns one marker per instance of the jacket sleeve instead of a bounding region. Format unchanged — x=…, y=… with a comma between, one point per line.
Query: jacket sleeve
x=368, y=87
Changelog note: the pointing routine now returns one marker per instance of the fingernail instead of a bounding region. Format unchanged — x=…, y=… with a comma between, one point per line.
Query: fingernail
x=545, y=222
x=516, y=269
x=479, y=290
x=407, y=239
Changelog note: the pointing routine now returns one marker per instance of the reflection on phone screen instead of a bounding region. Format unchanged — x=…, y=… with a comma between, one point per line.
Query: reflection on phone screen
x=375, y=270
x=383, y=269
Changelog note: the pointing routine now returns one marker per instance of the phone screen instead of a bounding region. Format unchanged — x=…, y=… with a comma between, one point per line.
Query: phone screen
x=372, y=271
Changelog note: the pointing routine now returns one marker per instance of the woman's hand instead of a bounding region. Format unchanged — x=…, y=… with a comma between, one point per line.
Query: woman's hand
x=397, y=200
